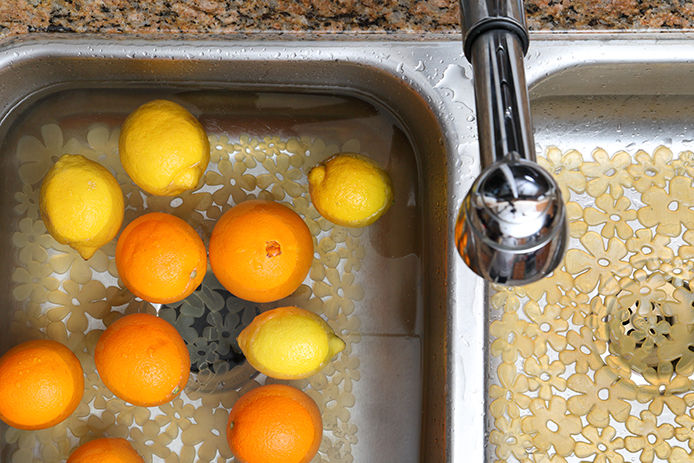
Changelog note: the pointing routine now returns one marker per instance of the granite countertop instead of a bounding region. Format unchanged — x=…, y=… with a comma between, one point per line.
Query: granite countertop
x=220, y=17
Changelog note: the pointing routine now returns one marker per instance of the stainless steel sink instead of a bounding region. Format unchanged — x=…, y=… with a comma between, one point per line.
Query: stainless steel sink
x=417, y=387
x=271, y=110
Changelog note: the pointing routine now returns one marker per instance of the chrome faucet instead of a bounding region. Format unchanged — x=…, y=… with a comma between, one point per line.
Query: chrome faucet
x=511, y=227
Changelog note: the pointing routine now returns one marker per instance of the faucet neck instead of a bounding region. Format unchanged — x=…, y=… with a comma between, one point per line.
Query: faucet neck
x=480, y=16
x=495, y=39
x=501, y=98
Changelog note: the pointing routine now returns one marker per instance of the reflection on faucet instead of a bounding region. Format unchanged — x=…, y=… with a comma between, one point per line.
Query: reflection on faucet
x=512, y=225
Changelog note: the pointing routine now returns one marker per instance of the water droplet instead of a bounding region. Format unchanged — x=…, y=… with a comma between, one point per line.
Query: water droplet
x=420, y=66
x=452, y=80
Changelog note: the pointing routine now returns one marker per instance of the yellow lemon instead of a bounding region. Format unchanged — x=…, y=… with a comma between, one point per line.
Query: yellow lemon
x=289, y=343
x=81, y=204
x=350, y=190
x=163, y=148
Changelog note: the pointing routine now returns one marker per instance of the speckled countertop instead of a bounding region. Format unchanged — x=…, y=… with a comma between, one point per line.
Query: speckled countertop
x=419, y=17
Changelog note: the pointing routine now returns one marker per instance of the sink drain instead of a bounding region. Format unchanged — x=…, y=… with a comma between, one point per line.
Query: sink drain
x=209, y=320
x=650, y=326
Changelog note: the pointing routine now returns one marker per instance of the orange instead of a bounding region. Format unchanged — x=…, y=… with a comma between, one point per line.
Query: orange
x=41, y=384
x=142, y=359
x=261, y=250
x=105, y=450
x=274, y=424
x=160, y=258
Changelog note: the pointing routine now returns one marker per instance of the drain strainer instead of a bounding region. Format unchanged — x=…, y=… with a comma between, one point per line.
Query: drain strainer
x=650, y=329
x=209, y=320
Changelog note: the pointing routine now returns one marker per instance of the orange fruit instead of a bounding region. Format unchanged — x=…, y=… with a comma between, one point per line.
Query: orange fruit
x=261, y=250
x=274, y=424
x=105, y=450
x=41, y=384
x=160, y=258
x=142, y=359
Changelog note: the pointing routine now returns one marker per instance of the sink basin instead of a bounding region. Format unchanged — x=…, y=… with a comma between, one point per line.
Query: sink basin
x=593, y=363
x=271, y=110
x=440, y=367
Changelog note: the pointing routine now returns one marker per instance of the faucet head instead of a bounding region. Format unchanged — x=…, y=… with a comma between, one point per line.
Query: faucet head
x=511, y=228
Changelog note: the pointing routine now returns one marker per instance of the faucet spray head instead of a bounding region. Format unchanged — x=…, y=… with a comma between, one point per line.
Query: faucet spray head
x=511, y=228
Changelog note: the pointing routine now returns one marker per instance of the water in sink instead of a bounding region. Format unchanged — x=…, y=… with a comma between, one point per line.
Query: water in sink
x=365, y=282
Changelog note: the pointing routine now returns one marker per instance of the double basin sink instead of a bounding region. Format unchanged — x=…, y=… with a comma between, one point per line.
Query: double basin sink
x=419, y=320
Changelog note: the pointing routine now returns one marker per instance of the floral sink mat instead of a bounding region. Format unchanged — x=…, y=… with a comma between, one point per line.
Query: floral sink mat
x=60, y=296
x=596, y=362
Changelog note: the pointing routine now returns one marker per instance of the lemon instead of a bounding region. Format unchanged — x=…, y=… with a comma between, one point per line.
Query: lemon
x=289, y=343
x=81, y=204
x=350, y=190
x=163, y=148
